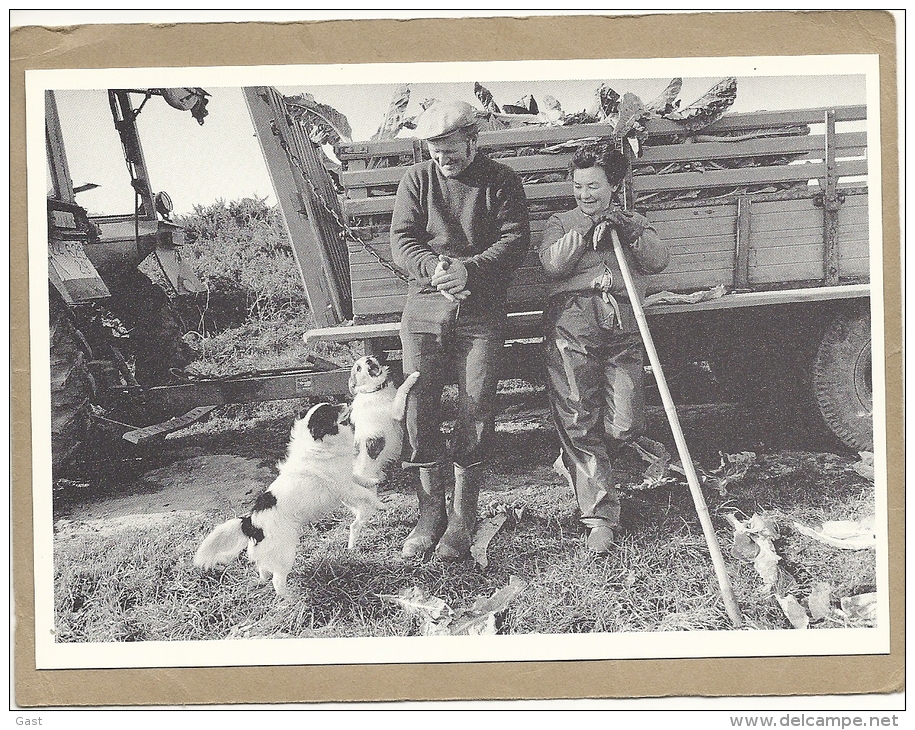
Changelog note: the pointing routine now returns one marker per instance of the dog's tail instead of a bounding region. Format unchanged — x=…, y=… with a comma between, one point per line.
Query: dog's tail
x=222, y=545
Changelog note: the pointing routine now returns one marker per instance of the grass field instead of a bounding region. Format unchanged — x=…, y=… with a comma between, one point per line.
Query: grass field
x=131, y=578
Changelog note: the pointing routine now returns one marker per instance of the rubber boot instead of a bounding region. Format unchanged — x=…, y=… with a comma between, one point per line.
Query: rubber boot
x=455, y=543
x=432, y=515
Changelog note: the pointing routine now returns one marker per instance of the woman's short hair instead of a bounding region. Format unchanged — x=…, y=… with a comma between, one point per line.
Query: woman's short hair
x=608, y=158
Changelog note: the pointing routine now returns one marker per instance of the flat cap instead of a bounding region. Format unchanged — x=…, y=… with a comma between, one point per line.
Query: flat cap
x=443, y=118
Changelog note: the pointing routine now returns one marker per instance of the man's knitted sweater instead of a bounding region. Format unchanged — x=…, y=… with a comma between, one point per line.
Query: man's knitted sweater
x=479, y=217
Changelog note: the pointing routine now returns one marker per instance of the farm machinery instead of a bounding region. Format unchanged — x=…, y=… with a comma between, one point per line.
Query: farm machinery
x=766, y=214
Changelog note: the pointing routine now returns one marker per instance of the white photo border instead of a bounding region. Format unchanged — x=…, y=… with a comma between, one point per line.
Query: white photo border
x=661, y=645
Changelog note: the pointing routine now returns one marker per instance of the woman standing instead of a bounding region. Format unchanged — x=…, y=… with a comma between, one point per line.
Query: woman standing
x=593, y=348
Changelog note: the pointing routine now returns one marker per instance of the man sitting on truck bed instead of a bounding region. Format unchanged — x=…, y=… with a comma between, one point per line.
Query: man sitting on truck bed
x=460, y=229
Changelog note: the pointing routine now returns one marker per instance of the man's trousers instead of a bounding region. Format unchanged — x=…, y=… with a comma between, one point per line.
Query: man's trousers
x=470, y=350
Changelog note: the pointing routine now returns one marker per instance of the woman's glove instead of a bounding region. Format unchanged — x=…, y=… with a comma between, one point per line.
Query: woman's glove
x=629, y=226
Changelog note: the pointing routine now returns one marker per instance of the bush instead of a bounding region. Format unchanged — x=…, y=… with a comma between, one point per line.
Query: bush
x=242, y=254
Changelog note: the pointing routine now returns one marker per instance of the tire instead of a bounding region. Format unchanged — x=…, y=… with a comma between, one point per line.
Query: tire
x=72, y=386
x=841, y=380
x=156, y=328
x=159, y=347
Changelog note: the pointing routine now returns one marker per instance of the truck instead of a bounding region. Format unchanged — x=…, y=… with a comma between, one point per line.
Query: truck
x=766, y=215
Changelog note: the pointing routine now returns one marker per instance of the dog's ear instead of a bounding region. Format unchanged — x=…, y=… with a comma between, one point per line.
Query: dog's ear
x=356, y=374
x=322, y=421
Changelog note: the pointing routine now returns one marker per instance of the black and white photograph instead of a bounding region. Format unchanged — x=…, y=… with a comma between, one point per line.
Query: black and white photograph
x=458, y=362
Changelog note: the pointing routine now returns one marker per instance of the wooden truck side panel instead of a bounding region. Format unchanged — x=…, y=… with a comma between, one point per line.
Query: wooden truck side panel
x=745, y=212
x=785, y=245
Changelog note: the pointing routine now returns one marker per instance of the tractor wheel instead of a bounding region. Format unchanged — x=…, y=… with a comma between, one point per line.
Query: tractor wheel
x=72, y=385
x=159, y=347
x=841, y=380
x=156, y=328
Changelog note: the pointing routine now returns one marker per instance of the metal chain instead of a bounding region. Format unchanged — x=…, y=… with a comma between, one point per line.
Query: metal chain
x=341, y=222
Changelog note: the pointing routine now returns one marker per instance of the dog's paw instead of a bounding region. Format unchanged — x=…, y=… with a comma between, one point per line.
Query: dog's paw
x=281, y=586
x=410, y=381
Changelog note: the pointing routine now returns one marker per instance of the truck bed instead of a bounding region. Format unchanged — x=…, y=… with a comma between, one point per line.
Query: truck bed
x=742, y=205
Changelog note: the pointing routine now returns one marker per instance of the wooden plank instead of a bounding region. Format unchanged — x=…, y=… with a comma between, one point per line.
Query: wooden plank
x=731, y=301
x=855, y=267
x=811, y=218
x=247, y=389
x=767, y=298
x=655, y=127
x=778, y=255
x=365, y=268
x=322, y=205
x=809, y=236
x=363, y=265
x=795, y=272
x=381, y=287
x=697, y=228
x=665, y=282
x=701, y=261
x=791, y=206
x=391, y=175
x=679, y=215
x=690, y=281
x=690, y=244
x=658, y=183
x=743, y=243
x=859, y=248
x=726, y=178
x=516, y=321
x=370, y=279
x=159, y=431
x=287, y=186
x=765, y=223
x=801, y=255
x=674, y=238
x=705, y=245
x=380, y=239
x=742, y=176
x=754, y=120
x=376, y=306
x=788, y=237
x=848, y=144
x=352, y=333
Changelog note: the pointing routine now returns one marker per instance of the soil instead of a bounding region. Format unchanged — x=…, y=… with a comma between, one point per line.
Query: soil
x=223, y=471
x=215, y=469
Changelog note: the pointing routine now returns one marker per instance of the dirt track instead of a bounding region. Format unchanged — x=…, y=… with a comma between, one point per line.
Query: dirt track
x=222, y=471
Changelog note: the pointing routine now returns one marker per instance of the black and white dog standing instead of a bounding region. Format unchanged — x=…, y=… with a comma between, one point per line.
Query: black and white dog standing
x=377, y=416
x=314, y=480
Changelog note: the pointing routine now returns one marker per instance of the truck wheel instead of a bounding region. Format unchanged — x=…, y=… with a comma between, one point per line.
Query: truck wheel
x=72, y=386
x=842, y=380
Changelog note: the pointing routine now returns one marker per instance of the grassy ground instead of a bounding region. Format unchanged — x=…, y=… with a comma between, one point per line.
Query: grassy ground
x=131, y=579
